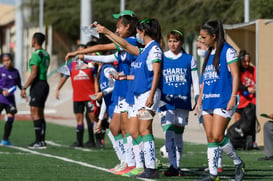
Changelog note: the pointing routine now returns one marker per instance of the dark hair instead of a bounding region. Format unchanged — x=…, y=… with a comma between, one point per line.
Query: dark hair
x=242, y=55
x=152, y=28
x=214, y=27
x=81, y=46
x=129, y=20
x=178, y=35
x=39, y=37
x=6, y=55
x=91, y=43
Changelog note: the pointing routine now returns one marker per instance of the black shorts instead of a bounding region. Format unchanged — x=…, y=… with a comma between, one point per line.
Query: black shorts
x=240, y=110
x=11, y=109
x=78, y=107
x=38, y=93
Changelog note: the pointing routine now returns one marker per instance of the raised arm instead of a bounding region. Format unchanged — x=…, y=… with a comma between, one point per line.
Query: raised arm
x=96, y=48
x=118, y=40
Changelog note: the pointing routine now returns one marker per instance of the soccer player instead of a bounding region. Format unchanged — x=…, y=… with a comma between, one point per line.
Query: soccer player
x=146, y=70
x=83, y=86
x=125, y=28
x=9, y=80
x=220, y=75
x=179, y=73
x=39, y=89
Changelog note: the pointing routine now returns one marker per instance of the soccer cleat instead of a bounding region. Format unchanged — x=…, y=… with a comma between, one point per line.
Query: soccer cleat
x=114, y=169
x=76, y=144
x=239, y=171
x=134, y=172
x=124, y=171
x=171, y=171
x=121, y=166
x=90, y=144
x=37, y=145
x=6, y=143
x=180, y=173
x=148, y=173
x=220, y=169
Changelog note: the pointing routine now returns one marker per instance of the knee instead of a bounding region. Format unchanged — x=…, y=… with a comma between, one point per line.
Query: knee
x=144, y=131
x=134, y=133
x=113, y=130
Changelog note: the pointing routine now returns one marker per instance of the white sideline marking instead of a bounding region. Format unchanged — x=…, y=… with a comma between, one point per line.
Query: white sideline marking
x=47, y=111
x=65, y=146
x=68, y=160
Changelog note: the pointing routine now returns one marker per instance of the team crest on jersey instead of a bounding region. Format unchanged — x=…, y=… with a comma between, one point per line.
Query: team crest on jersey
x=123, y=56
x=81, y=76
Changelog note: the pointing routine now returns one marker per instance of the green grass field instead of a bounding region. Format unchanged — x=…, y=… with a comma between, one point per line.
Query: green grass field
x=60, y=162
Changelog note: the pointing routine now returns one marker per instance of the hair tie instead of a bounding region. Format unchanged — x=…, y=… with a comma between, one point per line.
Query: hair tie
x=179, y=32
x=147, y=20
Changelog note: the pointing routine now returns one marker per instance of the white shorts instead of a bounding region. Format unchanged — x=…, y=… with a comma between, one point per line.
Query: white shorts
x=132, y=112
x=122, y=106
x=219, y=111
x=141, y=99
x=178, y=117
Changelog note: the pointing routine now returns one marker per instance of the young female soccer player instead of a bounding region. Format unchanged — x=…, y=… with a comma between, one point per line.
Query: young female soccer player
x=125, y=28
x=179, y=71
x=146, y=70
x=9, y=80
x=220, y=75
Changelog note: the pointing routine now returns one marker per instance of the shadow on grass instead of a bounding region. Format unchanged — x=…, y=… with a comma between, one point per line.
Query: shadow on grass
x=192, y=173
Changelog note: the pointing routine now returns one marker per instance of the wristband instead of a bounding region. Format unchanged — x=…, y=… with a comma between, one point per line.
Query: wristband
x=24, y=88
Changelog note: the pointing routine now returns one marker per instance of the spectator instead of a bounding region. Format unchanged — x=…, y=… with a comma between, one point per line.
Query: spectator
x=247, y=87
x=83, y=86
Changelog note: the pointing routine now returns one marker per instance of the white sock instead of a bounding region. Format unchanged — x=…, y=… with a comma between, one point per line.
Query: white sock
x=138, y=152
x=149, y=151
x=119, y=142
x=130, y=157
x=114, y=143
x=228, y=148
x=179, y=148
x=170, y=146
x=213, y=158
x=220, y=158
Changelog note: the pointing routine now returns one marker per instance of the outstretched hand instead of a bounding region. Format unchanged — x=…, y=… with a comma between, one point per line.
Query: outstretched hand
x=70, y=55
x=102, y=29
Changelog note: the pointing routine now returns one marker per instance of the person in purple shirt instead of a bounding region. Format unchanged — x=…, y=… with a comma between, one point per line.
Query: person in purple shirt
x=9, y=80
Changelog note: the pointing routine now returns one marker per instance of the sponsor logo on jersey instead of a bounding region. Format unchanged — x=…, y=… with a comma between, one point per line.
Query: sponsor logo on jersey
x=81, y=76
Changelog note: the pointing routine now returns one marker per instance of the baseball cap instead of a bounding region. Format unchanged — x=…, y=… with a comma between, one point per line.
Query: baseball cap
x=122, y=13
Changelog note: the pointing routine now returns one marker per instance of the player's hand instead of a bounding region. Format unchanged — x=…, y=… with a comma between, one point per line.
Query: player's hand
x=5, y=93
x=70, y=55
x=98, y=127
x=149, y=101
x=102, y=29
x=23, y=94
x=57, y=94
x=231, y=103
x=99, y=96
